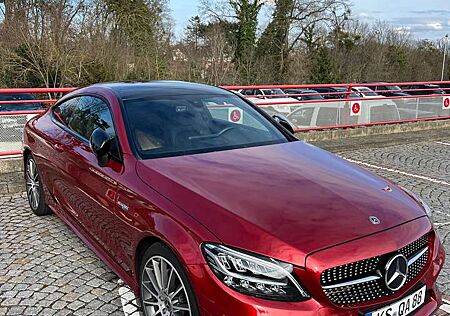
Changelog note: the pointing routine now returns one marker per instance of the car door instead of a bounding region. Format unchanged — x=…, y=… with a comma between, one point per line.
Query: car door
x=85, y=190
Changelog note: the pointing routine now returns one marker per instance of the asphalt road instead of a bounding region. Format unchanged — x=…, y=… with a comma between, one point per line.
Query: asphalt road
x=46, y=270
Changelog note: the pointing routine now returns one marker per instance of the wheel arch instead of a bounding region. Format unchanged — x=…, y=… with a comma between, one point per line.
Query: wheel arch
x=26, y=154
x=143, y=244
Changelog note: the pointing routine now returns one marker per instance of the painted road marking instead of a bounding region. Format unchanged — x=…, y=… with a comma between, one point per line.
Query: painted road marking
x=128, y=300
x=398, y=171
x=446, y=306
x=443, y=143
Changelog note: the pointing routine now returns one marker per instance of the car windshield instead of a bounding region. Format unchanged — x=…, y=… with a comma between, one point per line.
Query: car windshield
x=18, y=106
x=278, y=93
x=164, y=126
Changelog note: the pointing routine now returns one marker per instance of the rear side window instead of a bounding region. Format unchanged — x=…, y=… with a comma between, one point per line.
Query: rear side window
x=82, y=115
x=327, y=117
x=384, y=113
x=301, y=117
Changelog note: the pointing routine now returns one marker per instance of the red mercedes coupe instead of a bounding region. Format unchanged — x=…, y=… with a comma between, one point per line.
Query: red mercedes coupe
x=205, y=205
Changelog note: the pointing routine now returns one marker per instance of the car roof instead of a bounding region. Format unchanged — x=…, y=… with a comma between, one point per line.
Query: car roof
x=302, y=90
x=138, y=89
x=325, y=88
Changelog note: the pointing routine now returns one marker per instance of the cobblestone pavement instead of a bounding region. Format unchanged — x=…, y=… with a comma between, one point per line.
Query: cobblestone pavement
x=46, y=270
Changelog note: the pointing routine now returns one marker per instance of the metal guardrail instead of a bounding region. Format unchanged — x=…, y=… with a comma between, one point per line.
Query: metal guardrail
x=346, y=108
x=349, y=107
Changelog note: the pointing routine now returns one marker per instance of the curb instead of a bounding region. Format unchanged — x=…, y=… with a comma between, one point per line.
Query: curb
x=335, y=134
x=11, y=183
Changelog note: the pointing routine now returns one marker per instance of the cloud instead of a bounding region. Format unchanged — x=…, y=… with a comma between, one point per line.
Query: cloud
x=419, y=18
x=433, y=12
x=423, y=26
x=435, y=25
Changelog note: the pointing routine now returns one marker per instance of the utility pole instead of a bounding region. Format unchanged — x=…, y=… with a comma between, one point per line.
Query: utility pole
x=445, y=55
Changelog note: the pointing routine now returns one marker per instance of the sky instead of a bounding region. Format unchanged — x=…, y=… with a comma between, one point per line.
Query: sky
x=422, y=18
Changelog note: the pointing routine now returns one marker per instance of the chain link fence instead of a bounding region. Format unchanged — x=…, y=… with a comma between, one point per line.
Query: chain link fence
x=11, y=132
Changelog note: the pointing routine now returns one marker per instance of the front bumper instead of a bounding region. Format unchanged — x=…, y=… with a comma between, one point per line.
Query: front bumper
x=216, y=299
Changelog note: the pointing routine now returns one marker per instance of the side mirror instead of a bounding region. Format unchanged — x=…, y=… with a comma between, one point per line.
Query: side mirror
x=100, y=143
x=283, y=122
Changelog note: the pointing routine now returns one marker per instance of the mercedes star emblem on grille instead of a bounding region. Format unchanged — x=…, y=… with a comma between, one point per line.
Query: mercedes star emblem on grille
x=396, y=272
x=374, y=220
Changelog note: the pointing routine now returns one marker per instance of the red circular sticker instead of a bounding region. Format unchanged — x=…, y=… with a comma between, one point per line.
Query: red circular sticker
x=235, y=116
x=356, y=108
x=446, y=102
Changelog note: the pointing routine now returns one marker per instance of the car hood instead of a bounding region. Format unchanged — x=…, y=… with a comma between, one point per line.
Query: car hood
x=285, y=201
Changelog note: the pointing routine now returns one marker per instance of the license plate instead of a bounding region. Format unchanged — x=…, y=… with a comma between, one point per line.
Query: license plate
x=403, y=307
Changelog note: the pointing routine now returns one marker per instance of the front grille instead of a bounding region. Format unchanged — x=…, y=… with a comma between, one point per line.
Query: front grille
x=337, y=282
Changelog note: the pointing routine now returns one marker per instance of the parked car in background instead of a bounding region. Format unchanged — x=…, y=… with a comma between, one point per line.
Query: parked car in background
x=330, y=93
x=264, y=93
x=304, y=94
x=389, y=91
x=445, y=87
x=275, y=96
x=12, y=125
x=337, y=113
x=345, y=93
x=13, y=107
x=365, y=92
x=200, y=215
x=424, y=89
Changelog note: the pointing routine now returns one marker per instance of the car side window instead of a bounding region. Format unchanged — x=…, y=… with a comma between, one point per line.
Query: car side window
x=83, y=115
x=327, y=117
x=302, y=117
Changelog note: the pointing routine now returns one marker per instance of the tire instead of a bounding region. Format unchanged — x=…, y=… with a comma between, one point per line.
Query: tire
x=35, y=191
x=176, y=290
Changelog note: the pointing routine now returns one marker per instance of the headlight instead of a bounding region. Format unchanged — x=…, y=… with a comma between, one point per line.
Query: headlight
x=425, y=206
x=254, y=275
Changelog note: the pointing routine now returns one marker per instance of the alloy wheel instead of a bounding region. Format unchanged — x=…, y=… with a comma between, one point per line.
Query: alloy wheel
x=163, y=291
x=33, y=184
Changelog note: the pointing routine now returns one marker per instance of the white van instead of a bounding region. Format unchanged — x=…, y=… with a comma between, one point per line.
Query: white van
x=338, y=113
